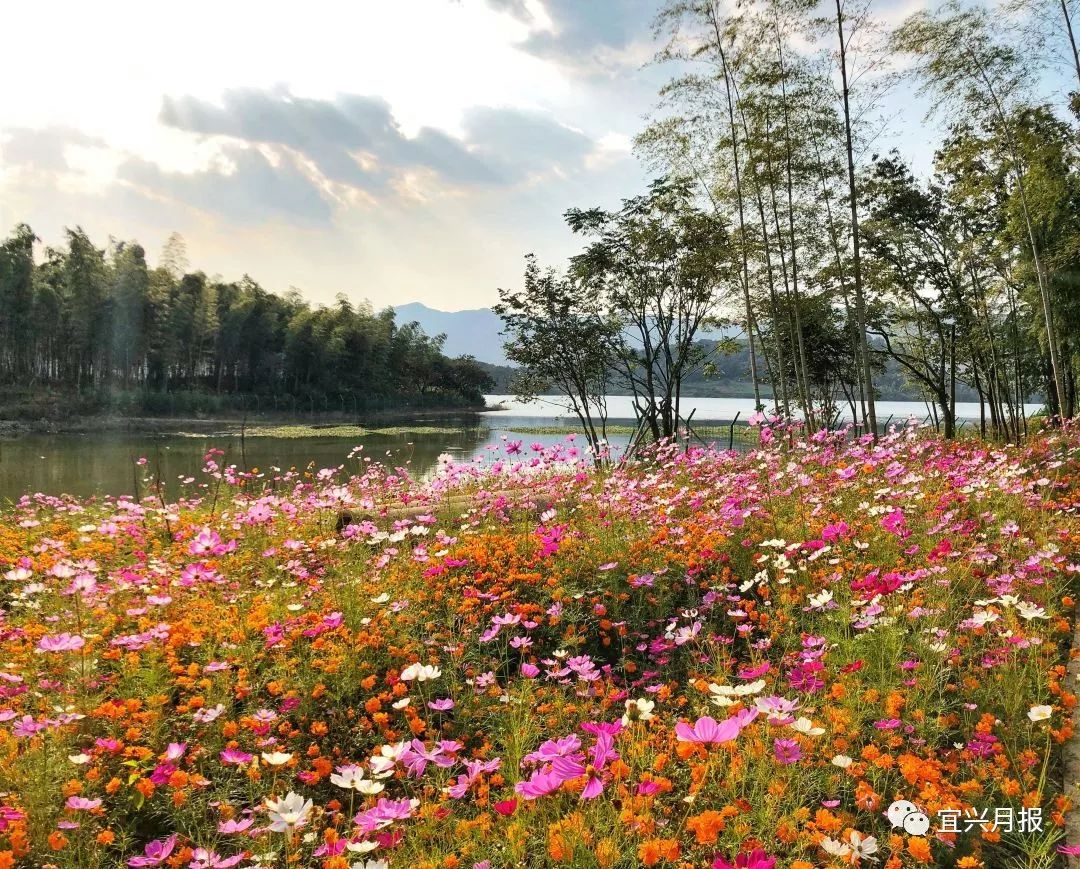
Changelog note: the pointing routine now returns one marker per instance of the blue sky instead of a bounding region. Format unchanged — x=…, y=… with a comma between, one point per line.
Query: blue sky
x=399, y=151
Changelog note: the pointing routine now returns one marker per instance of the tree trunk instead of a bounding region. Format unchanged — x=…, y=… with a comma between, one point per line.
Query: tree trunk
x=860, y=301
x=740, y=209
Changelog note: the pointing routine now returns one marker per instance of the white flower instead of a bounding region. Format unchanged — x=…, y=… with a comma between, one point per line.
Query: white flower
x=289, y=813
x=382, y=598
x=370, y=864
x=276, y=758
x=352, y=777
x=837, y=849
x=821, y=599
x=1030, y=611
x=1040, y=713
x=806, y=726
x=402, y=703
x=362, y=847
x=420, y=672
x=842, y=761
x=638, y=710
x=863, y=847
x=79, y=759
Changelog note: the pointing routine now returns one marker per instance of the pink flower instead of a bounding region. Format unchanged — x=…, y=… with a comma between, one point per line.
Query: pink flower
x=233, y=826
x=81, y=804
x=232, y=755
x=786, y=751
x=539, y=784
x=707, y=730
x=385, y=813
x=204, y=859
x=752, y=673
x=61, y=643
x=155, y=852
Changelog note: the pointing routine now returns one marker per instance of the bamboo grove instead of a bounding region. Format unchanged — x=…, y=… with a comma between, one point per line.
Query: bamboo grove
x=836, y=258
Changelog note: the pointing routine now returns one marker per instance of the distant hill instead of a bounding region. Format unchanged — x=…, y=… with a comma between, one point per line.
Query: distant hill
x=477, y=333
x=468, y=333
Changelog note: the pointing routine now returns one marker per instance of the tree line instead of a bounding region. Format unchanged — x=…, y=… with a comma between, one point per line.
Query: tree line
x=101, y=320
x=776, y=211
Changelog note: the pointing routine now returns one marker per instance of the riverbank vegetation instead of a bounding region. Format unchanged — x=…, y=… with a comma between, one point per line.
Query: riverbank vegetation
x=693, y=659
x=779, y=213
x=101, y=331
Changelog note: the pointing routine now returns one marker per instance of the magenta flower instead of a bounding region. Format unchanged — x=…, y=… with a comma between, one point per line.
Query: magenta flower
x=232, y=755
x=539, y=784
x=553, y=748
x=756, y=859
x=26, y=727
x=752, y=673
x=61, y=643
x=155, y=852
x=572, y=767
x=707, y=730
x=786, y=751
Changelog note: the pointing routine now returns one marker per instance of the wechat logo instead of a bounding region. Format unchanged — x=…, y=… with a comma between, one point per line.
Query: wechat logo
x=909, y=816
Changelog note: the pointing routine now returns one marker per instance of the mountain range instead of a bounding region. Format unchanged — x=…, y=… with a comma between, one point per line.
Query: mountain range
x=473, y=333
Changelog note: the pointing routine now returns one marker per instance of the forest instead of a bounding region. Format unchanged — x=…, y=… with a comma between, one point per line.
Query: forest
x=102, y=323
x=843, y=263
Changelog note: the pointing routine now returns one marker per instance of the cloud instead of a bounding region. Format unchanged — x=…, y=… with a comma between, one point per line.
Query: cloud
x=43, y=149
x=592, y=38
x=249, y=191
x=520, y=142
x=355, y=141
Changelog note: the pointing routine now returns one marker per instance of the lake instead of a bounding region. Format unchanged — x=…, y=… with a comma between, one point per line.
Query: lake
x=103, y=463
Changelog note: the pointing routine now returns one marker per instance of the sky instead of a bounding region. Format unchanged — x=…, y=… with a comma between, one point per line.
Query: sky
x=393, y=150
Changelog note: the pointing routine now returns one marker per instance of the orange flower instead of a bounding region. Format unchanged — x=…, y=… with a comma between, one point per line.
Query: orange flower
x=649, y=852
x=706, y=826
x=919, y=848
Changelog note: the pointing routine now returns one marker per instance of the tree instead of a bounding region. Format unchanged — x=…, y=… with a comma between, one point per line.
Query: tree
x=860, y=300
x=560, y=338
x=657, y=264
x=960, y=56
x=17, y=299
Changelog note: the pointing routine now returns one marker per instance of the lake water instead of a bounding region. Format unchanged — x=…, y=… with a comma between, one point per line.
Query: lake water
x=101, y=463
x=620, y=407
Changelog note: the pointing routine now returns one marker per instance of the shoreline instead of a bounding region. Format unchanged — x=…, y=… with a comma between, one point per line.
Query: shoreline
x=231, y=423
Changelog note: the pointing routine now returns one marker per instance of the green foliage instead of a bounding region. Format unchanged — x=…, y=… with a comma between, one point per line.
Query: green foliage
x=131, y=339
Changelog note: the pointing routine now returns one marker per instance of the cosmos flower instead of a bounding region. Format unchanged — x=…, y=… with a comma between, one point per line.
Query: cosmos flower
x=155, y=853
x=289, y=813
x=420, y=673
x=707, y=730
x=61, y=643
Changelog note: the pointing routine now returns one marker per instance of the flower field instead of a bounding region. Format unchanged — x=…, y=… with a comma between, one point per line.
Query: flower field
x=700, y=659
